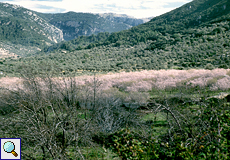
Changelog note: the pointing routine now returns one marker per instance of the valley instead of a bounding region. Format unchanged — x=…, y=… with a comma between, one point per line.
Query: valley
x=110, y=86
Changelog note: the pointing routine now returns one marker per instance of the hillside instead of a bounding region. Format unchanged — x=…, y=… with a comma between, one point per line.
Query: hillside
x=159, y=44
x=194, y=14
x=180, y=21
x=25, y=32
x=22, y=26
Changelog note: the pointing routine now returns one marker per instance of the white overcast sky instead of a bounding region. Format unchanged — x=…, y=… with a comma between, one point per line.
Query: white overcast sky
x=134, y=8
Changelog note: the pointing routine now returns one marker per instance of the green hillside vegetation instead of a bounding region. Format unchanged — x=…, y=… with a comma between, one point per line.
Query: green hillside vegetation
x=17, y=49
x=20, y=26
x=169, y=41
x=16, y=31
x=78, y=43
x=195, y=14
x=153, y=45
x=205, y=47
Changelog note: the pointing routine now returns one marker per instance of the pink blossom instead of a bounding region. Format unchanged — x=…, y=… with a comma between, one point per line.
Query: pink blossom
x=223, y=83
x=141, y=81
x=141, y=86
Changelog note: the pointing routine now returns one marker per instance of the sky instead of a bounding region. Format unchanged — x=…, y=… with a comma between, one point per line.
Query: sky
x=134, y=8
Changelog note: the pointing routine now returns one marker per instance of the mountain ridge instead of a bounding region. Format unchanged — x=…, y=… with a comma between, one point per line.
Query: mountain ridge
x=179, y=20
x=75, y=24
x=23, y=27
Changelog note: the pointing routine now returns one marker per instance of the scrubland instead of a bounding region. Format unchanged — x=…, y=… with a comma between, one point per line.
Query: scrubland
x=164, y=114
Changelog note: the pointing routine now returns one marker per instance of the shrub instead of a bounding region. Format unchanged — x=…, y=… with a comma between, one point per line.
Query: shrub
x=209, y=66
x=228, y=73
x=129, y=145
x=122, y=86
x=211, y=82
x=110, y=116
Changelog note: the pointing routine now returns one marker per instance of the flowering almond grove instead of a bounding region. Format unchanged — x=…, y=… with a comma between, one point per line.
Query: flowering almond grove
x=159, y=90
x=155, y=114
x=145, y=80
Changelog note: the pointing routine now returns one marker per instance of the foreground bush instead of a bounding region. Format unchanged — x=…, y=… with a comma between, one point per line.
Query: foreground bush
x=210, y=138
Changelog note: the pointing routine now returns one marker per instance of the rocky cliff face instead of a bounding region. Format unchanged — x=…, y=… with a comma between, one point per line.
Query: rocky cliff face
x=74, y=24
x=125, y=19
x=74, y=29
x=53, y=33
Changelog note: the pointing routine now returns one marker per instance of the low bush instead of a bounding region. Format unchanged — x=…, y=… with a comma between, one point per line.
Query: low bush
x=211, y=144
x=209, y=66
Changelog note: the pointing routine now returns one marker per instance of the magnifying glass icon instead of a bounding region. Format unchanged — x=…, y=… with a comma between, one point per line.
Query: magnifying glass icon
x=9, y=147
